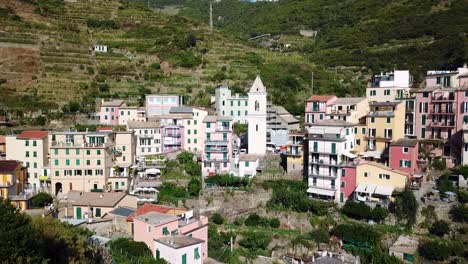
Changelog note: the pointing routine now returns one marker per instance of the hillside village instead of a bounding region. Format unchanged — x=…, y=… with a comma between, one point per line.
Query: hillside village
x=190, y=171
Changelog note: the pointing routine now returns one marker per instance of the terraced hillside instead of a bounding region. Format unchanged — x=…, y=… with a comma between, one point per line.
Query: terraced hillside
x=47, y=58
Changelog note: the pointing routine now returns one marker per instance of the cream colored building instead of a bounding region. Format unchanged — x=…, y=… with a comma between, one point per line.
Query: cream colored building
x=384, y=124
x=148, y=137
x=389, y=86
x=349, y=109
x=31, y=148
x=194, y=130
x=82, y=161
x=373, y=173
x=131, y=113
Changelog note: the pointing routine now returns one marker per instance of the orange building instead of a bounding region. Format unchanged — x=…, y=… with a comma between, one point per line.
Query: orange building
x=12, y=183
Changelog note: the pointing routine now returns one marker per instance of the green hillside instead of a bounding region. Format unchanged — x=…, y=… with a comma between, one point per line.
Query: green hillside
x=46, y=60
x=381, y=35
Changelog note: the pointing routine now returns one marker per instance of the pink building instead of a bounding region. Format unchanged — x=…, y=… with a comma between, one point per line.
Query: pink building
x=317, y=107
x=403, y=155
x=161, y=104
x=109, y=112
x=172, y=138
x=440, y=115
x=348, y=180
x=218, y=145
x=153, y=226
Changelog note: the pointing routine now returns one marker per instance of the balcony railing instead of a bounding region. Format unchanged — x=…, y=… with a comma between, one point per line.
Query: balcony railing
x=79, y=145
x=295, y=153
x=381, y=113
x=212, y=150
x=205, y=159
x=443, y=111
x=340, y=112
x=324, y=162
x=442, y=98
x=217, y=142
x=442, y=124
x=7, y=184
x=223, y=128
x=173, y=135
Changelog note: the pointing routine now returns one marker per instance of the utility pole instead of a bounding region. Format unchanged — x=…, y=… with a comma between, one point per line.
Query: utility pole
x=312, y=84
x=211, y=15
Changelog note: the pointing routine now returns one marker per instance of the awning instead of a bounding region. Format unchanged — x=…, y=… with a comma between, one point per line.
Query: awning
x=321, y=191
x=349, y=155
x=366, y=188
x=43, y=178
x=153, y=171
x=384, y=190
x=372, y=154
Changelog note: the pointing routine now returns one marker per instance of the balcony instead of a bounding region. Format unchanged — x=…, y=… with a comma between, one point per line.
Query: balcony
x=217, y=142
x=217, y=160
x=442, y=124
x=61, y=144
x=382, y=113
x=327, y=162
x=295, y=153
x=146, y=136
x=340, y=112
x=173, y=135
x=216, y=150
x=329, y=176
x=442, y=98
x=443, y=111
x=409, y=110
x=223, y=128
x=385, y=137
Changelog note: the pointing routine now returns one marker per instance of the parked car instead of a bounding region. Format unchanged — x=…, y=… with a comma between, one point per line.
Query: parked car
x=271, y=147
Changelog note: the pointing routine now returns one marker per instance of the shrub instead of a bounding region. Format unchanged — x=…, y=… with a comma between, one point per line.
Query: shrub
x=379, y=214
x=217, y=218
x=275, y=222
x=459, y=213
x=406, y=207
x=356, y=210
x=194, y=187
x=439, y=228
x=239, y=221
x=252, y=220
x=445, y=185
x=320, y=235
x=156, y=65
x=97, y=23
x=440, y=250
x=255, y=241
x=357, y=232
x=41, y=199
x=462, y=196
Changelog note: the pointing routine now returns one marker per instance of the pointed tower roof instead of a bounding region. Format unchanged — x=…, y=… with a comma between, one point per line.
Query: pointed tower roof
x=257, y=86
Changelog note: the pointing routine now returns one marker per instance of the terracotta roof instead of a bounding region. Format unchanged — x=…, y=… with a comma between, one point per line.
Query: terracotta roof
x=321, y=98
x=2, y=139
x=8, y=166
x=33, y=135
x=146, y=208
x=103, y=128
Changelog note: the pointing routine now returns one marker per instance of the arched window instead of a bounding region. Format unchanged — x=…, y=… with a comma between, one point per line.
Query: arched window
x=256, y=128
x=257, y=106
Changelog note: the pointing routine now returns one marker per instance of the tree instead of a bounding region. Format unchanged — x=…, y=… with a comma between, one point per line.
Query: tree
x=445, y=185
x=194, y=187
x=275, y=222
x=440, y=249
x=356, y=210
x=439, y=228
x=379, y=214
x=41, y=199
x=459, y=213
x=217, y=218
x=128, y=251
x=406, y=207
x=18, y=239
x=255, y=241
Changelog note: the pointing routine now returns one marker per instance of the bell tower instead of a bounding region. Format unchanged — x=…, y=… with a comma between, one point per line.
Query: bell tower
x=256, y=118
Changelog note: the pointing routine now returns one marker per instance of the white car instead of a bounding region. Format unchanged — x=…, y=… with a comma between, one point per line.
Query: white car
x=270, y=147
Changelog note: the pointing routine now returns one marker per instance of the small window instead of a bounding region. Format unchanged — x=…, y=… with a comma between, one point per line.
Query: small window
x=148, y=229
x=372, y=119
x=405, y=150
x=389, y=120
x=365, y=174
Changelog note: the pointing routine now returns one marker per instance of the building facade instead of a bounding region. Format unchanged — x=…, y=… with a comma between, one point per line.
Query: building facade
x=31, y=148
x=295, y=153
x=385, y=87
x=161, y=104
x=349, y=109
x=330, y=145
x=217, y=158
x=279, y=123
x=194, y=128
x=317, y=107
x=109, y=112
x=13, y=182
x=148, y=137
x=256, y=119
x=465, y=145
x=82, y=161
x=233, y=106
x=129, y=113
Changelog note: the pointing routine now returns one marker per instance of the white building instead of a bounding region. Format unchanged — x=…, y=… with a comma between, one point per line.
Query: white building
x=256, y=118
x=179, y=249
x=194, y=128
x=31, y=148
x=465, y=145
x=131, y=113
x=148, y=137
x=248, y=165
x=388, y=86
x=330, y=143
x=100, y=48
x=234, y=106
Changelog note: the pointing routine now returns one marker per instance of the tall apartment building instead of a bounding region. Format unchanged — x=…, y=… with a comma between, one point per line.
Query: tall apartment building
x=384, y=123
x=82, y=161
x=330, y=144
x=109, y=112
x=194, y=127
x=388, y=86
x=441, y=111
x=295, y=153
x=131, y=113
x=465, y=145
x=233, y=106
x=217, y=158
x=349, y=109
x=148, y=137
x=317, y=107
x=160, y=104
x=31, y=148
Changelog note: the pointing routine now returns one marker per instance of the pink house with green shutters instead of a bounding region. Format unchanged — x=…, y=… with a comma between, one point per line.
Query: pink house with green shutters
x=317, y=107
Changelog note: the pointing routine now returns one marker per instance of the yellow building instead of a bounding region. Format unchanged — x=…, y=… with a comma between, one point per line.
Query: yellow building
x=372, y=173
x=295, y=154
x=349, y=109
x=12, y=183
x=384, y=124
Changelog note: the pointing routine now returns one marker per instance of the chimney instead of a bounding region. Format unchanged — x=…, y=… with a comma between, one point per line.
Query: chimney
x=101, y=196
